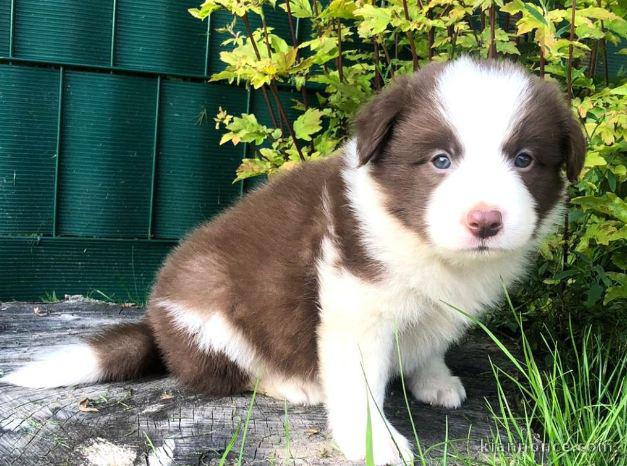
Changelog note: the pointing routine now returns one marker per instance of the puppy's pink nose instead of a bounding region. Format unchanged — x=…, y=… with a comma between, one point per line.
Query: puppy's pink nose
x=484, y=223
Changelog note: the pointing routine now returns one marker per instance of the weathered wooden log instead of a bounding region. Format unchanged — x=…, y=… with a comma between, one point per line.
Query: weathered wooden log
x=155, y=421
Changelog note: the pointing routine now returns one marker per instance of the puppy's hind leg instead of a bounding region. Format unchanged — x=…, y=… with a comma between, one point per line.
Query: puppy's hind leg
x=295, y=390
x=193, y=348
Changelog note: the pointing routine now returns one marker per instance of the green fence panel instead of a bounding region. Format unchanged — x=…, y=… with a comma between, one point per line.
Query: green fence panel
x=105, y=164
x=122, y=269
x=28, y=132
x=219, y=21
x=108, y=152
x=615, y=61
x=70, y=31
x=160, y=36
x=194, y=173
x=5, y=26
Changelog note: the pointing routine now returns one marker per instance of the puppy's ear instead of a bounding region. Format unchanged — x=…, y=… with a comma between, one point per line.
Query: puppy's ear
x=375, y=121
x=577, y=145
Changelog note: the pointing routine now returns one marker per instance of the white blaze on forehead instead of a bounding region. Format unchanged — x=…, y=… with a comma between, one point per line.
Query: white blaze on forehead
x=481, y=103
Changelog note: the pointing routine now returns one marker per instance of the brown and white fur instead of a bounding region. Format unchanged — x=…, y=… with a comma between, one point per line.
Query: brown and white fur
x=304, y=282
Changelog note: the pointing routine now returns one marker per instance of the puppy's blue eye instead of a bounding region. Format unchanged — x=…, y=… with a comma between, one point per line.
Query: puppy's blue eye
x=441, y=161
x=523, y=160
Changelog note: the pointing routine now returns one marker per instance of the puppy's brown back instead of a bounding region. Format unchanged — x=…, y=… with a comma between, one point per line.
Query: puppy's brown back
x=255, y=265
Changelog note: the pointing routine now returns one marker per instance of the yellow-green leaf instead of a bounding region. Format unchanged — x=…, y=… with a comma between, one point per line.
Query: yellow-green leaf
x=299, y=8
x=308, y=123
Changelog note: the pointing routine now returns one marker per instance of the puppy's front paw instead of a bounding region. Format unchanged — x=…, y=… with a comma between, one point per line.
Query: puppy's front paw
x=388, y=447
x=393, y=449
x=441, y=390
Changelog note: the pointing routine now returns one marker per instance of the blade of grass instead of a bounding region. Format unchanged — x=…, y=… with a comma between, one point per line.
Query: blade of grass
x=380, y=413
x=286, y=430
x=230, y=445
x=248, y=416
x=407, y=406
x=369, y=449
x=445, y=453
x=492, y=336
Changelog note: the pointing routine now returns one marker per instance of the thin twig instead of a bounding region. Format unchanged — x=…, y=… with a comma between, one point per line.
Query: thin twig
x=571, y=39
x=266, y=99
x=453, y=42
x=266, y=35
x=290, y=22
x=593, y=59
x=263, y=88
x=492, y=49
x=377, y=74
x=273, y=88
x=338, y=61
x=410, y=38
x=290, y=19
x=606, y=66
x=569, y=89
x=430, y=37
x=387, y=56
x=275, y=92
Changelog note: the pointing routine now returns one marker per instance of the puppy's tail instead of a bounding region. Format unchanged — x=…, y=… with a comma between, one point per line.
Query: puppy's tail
x=120, y=352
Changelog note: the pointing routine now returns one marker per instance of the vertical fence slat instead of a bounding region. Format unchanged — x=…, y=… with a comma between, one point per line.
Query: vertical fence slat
x=55, y=203
x=113, y=27
x=208, y=45
x=11, y=28
x=155, y=148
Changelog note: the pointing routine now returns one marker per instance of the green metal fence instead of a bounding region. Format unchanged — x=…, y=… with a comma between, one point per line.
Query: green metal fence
x=103, y=165
x=103, y=162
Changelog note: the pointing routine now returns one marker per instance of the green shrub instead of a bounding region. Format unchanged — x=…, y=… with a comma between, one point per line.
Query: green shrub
x=358, y=46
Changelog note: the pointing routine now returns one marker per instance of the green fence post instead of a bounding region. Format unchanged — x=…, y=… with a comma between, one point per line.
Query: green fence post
x=11, y=28
x=207, y=45
x=155, y=148
x=112, y=48
x=55, y=203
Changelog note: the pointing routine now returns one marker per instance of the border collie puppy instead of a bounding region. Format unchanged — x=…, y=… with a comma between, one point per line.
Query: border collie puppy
x=452, y=178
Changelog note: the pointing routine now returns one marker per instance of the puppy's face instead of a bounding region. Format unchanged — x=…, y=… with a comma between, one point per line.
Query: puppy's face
x=469, y=154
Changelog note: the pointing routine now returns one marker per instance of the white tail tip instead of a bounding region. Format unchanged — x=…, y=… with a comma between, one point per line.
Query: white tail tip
x=67, y=365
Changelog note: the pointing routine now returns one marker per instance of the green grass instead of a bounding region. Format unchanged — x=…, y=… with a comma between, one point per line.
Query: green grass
x=420, y=452
x=114, y=299
x=244, y=430
x=246, y=422
x=49, y=297
x=369, y=446
x=571, y=411
x=578, y=411
x=229, y=446
x=286, y=431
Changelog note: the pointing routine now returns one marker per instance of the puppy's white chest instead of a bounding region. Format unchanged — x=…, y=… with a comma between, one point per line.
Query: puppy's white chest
x=427, y=295
x=394, y=298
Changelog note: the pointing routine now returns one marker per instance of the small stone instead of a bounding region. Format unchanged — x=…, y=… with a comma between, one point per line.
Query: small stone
x=40, y=312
